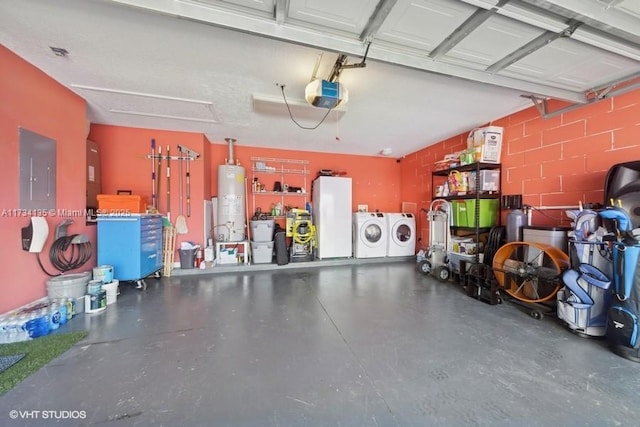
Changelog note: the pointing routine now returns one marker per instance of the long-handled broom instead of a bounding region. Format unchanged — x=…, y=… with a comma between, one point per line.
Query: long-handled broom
x=181, y=221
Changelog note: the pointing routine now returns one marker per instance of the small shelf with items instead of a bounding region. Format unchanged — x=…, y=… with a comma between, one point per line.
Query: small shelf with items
x=474, y=193
x=275, y=180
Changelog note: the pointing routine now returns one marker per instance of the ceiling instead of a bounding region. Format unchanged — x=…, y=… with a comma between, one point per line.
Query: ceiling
x=434, y=68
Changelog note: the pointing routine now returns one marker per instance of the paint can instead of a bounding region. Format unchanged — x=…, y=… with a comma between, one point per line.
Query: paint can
x=94, y=286
x=104, y=273
x=95, y=303
x=112, y=291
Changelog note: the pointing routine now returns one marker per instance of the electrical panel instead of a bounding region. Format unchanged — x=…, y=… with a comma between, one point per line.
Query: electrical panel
x=94, y=182
x=37, y=171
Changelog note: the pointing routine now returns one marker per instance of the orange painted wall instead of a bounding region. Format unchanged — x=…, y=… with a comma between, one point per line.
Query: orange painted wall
x=31, y=99
x=376, y=180
x=125, y=166
x=558, y=161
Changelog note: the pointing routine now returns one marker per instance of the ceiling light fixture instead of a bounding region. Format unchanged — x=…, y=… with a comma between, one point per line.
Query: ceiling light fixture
x=386, y=151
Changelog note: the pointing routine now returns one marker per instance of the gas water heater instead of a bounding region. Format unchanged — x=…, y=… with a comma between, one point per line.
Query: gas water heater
x=231, y=199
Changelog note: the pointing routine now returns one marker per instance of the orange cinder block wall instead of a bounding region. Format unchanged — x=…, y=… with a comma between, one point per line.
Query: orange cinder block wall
x=32, y=100
x=559, y=161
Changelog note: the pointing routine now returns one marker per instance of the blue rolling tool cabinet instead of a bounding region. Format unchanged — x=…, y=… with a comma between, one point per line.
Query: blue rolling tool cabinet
x=132, y=244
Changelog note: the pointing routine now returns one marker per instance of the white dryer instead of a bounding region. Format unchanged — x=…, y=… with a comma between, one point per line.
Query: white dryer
x=369, y=235
x=402, y=234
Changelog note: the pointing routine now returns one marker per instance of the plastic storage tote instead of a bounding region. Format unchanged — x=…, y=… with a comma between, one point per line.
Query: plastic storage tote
x=460, y=213
x=488, y=212
x=262, y=252
x=262, y=230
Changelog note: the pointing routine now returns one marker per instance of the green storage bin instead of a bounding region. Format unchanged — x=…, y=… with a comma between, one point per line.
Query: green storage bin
x=460, y=218
x=488, y=212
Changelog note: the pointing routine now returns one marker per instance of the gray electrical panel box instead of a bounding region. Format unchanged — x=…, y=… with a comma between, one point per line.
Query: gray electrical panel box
x=37, y=171
x=94, y=186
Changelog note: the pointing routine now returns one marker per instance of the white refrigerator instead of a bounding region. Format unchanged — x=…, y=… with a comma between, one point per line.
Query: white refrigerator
x=332, y=216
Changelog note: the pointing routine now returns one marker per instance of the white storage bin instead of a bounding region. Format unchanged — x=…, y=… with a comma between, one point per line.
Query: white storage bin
x=489, y=180
x=262, y=230
x=262, y=252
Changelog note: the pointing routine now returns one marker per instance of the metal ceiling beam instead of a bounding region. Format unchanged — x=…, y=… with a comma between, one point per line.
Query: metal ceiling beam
x=281, y=9
x=383, y=9
x=616, y=82
x=607, y=42
x=336, y=42
x=535, y=44
x=466, y=28
x=533, y=12
x=594, y=13
x=600, y=93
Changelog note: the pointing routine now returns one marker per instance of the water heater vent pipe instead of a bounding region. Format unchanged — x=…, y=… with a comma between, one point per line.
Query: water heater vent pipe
x=230, y=141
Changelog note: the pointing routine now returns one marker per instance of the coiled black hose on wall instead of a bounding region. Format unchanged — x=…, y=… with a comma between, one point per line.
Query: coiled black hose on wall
x=68, y=253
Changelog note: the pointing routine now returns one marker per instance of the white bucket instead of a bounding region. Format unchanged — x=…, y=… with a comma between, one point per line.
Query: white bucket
x=112, y=291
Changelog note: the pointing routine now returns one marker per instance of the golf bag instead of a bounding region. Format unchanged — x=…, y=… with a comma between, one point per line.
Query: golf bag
x=622, y=189
x=584, y=300
x=623, y=334
x=585, y=248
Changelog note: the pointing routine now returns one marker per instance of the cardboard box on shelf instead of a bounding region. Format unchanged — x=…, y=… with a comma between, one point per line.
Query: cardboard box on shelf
x=482, y=135
x=487, y=142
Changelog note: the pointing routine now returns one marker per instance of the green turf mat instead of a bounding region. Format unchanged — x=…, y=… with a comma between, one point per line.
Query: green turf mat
x=38, y=352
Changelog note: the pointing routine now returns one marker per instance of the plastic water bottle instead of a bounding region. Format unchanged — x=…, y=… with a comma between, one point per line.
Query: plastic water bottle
x=62, y=304
x=3, y=330
x=15, y=329
x=11, y=331
x=38, y=324
x=71, y=308
x=54, y=316
x=23, y=334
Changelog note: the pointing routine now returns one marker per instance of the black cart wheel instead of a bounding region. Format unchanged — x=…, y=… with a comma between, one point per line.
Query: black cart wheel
x=538, y=315
x=424, y=267
x=442, y=273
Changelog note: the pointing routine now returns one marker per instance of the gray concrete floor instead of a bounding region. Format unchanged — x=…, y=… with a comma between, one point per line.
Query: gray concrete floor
x=349, y=345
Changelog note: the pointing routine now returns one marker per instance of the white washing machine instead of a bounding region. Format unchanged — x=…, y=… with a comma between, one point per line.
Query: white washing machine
x=369, y=235
x=402, y=234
